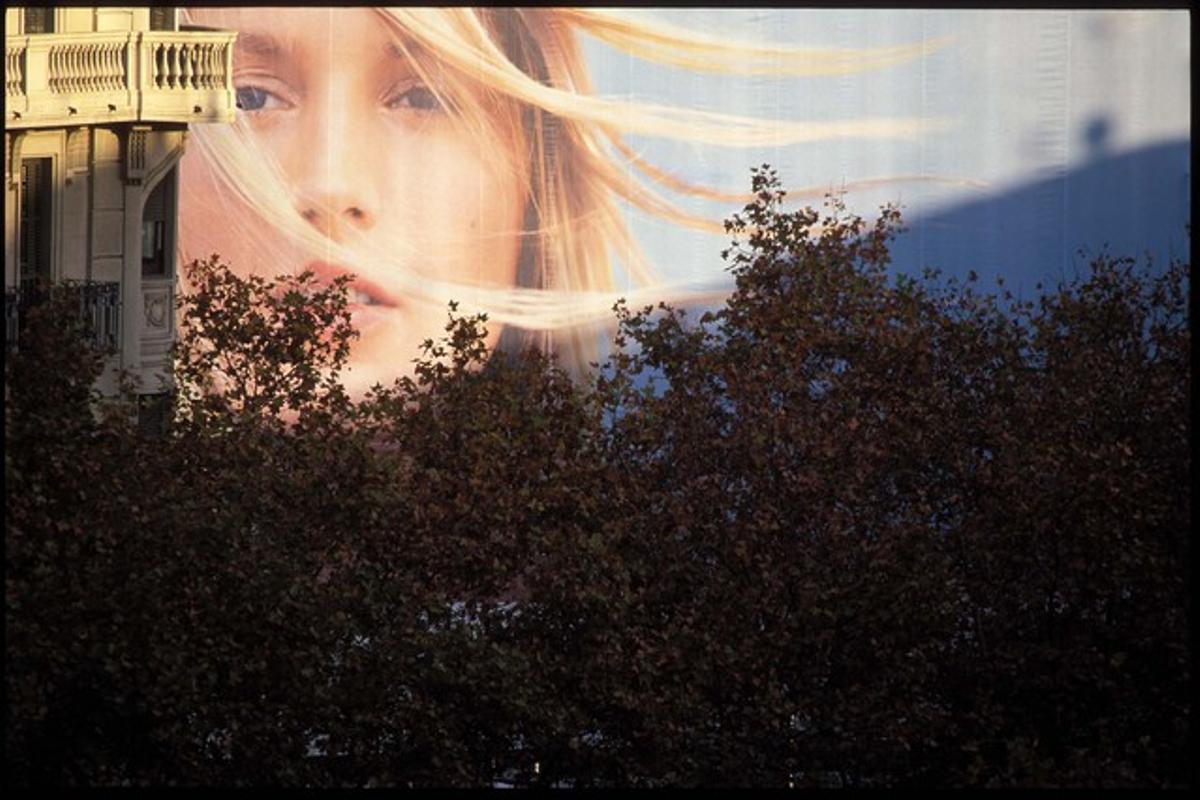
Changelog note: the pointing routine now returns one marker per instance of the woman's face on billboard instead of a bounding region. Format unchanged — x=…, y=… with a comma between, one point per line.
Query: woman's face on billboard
x=366, y=149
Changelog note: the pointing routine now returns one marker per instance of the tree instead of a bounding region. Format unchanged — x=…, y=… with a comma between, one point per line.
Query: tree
x=858, y=530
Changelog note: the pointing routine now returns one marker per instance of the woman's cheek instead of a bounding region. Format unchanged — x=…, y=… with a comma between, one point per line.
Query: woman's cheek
x=201, y=221
x=209, y=220
x=464, y=173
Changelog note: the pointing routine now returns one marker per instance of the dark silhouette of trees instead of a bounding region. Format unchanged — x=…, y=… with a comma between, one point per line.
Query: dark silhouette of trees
x=856, y=530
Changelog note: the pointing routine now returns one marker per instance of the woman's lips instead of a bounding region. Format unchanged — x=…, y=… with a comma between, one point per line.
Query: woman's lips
x=361, y=290
x=367, y=302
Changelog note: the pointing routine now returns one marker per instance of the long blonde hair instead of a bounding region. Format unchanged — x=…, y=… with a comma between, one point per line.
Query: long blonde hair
x=517, y=75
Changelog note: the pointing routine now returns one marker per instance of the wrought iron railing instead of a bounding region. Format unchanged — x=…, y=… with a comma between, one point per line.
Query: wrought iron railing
x=12, y=307
x=99, y=309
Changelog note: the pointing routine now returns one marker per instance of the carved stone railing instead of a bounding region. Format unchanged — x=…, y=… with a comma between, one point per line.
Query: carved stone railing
x=187, y=65
x=87, y=68
x=183, y=68
x=123, y=76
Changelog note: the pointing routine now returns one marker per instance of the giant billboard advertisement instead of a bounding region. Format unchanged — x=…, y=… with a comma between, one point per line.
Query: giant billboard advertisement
x=538, y=163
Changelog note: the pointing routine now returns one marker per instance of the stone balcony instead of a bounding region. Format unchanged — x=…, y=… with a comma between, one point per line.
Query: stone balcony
x=68, y=79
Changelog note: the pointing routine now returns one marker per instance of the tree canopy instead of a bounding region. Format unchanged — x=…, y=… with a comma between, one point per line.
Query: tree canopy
x=858, y=530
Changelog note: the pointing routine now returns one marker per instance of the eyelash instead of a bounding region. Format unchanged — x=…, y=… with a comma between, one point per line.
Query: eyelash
x=428, y=102
x=427, y=94
x=267, y=95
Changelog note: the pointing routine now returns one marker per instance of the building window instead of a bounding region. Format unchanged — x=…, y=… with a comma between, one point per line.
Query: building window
x=39, y=20
x=155, y=248
x=162, y=18
x=33, y=260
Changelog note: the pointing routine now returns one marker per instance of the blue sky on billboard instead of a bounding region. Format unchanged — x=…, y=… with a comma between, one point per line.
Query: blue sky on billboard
x=1068, y=129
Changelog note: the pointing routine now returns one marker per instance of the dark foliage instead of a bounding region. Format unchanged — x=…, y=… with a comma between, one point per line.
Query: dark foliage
x=863, y=531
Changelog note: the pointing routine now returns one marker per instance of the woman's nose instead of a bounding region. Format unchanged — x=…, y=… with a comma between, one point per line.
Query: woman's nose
x=335, y=191
x=332, y=213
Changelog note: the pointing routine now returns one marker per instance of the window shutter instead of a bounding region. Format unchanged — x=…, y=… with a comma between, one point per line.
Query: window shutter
x=156, y=203
x=162, y=18
x=154, y=228
x=36, y=236
x=39, y=20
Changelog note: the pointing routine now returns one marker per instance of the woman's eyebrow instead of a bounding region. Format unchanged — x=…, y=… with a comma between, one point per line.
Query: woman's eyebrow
x=395, y=50
x=258, y=44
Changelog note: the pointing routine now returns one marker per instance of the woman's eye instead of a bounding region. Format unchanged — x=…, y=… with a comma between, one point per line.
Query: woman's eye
x=419, y=98
x=252, y=98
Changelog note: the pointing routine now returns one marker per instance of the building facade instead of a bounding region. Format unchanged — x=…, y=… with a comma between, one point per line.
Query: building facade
x=97, y=107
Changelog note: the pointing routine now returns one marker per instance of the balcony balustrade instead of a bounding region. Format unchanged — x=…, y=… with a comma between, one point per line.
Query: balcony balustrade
x=124, y=76
x=99, y=309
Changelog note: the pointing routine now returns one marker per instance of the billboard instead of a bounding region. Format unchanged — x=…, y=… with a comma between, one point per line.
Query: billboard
x=538, y=163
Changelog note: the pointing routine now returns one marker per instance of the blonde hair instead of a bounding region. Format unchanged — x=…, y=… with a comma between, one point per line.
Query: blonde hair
x=518, y=75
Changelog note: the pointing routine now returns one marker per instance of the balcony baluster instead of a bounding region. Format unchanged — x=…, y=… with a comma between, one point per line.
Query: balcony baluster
x=109, y=62
x=85, y=68
x=73, y=71
x=59, y=66
x=157, y=57
x=210, y=67
x=173, y=71
x=160, y=55
x=185, y=66
x=53, y=70
x=95, y=72
x=14, y=66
